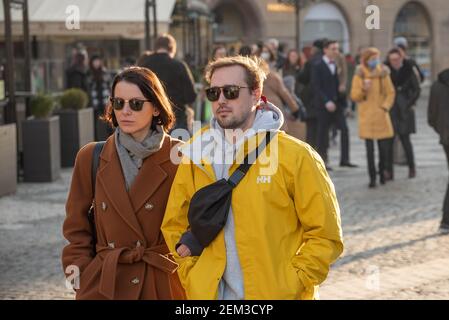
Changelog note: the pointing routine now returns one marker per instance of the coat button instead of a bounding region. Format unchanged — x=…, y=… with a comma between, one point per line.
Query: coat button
x=135, y=280
x=138, y=244
x=103, y=206
x=111, y=245
x=149, y=206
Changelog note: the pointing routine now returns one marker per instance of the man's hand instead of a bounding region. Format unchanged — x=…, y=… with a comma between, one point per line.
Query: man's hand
x=331, y=107
x=183, y=251
x=342, y=88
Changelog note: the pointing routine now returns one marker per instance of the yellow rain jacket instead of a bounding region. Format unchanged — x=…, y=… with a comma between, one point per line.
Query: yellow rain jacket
x=286, y=217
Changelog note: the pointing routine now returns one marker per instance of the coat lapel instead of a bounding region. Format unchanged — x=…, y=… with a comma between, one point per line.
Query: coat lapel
x=151, y=176
x=113, y=183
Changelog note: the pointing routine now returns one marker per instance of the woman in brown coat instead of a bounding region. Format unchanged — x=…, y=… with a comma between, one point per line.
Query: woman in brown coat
x=133, y=181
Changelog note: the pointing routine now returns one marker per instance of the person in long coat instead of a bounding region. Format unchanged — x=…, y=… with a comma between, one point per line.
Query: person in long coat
x=276, y=92
x=406, y=84
x=137, y=166
x=438, y=119
x=373, y=90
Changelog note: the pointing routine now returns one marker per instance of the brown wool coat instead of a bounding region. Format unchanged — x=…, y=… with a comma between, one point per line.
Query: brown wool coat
x=130, y=261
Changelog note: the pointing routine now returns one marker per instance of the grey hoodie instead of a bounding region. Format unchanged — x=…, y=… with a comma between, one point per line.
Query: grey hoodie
x=268, y=118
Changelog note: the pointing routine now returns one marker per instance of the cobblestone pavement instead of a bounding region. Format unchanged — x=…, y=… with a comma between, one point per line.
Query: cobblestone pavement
x=392, y=250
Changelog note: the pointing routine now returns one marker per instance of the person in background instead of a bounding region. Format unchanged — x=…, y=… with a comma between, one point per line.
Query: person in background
x=327, y=99
x=219, y=52
x=373, y=90
x=276, y=93
x=99, y=83
x=402, y=114
x=273, y=45
x=293, y=64
x=304, y=79
x=246, y=51
x=255, y=51
x=175, y=76
x=438, y=119
x=76, y=74
x=402, y=44
x=350, y=61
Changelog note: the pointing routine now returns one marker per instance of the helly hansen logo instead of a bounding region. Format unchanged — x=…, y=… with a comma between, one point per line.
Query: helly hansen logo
x=263, y=179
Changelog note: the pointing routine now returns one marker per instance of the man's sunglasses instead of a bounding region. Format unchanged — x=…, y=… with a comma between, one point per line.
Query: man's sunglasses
x=230, y=92
x=134, y=103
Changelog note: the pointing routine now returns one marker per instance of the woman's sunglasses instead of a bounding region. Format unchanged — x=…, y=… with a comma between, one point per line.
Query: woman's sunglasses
x=230, y=92
x=134, y=103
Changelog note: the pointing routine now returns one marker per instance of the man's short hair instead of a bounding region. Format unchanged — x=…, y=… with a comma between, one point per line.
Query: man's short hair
x=327, y=43
x=395, y=51
x=255, y=74
x=318, y=43
x=167, y=42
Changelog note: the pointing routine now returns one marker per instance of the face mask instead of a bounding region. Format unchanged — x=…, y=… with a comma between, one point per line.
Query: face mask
x=265, y=56
x=373, y=64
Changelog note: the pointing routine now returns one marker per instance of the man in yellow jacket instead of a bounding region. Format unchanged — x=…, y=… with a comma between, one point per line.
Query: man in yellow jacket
x=283, y=230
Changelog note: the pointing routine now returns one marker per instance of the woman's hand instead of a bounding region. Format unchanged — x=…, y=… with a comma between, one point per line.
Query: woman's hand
x=183, y=251
x=367, y=84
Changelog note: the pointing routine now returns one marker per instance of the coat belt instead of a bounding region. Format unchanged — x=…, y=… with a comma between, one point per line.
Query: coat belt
x=153, y=256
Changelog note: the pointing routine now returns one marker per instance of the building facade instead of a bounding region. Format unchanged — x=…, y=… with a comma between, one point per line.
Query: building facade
x=425, y=24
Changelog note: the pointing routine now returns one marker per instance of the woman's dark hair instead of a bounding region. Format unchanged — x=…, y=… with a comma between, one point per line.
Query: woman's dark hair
x=245, y=51
x=97, y=73
x=152, y=89
x=287, y=63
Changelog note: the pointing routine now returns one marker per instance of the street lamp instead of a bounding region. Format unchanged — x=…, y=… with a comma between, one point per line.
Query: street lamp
x=298, y=5
x=10, y=111
x=150, y=4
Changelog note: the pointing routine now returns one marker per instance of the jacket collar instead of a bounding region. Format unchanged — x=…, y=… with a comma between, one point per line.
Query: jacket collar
x=199, y=148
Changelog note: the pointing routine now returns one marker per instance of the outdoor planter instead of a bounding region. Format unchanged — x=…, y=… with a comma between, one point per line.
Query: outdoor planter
x=8, y=159
x=41, y=149
x=77, y=129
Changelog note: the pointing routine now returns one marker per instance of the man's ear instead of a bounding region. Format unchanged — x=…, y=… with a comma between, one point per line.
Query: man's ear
x=257, y=93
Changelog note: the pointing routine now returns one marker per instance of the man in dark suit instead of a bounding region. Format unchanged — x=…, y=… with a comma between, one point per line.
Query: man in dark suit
x=328, y=102
x=175, y=76
x=305, y=78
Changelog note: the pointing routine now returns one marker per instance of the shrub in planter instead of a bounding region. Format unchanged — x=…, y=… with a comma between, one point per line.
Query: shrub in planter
x=41, y=144
x=41, y=106
x=76, y=124
x=73, y=99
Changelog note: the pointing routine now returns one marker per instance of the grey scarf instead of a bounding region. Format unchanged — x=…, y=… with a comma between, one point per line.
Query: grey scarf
x=132, y=153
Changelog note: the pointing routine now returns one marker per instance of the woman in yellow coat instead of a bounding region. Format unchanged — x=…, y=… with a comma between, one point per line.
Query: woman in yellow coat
x=373, y=90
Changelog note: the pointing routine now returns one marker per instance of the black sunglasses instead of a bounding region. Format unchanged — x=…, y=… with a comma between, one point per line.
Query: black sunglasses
x=134, y=103
x=230, y=92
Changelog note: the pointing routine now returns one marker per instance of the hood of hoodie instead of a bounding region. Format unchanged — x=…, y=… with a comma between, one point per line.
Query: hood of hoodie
x=443, y=77
x=210, y=145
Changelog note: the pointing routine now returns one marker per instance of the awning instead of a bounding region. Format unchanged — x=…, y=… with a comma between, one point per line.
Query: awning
x=99, y=17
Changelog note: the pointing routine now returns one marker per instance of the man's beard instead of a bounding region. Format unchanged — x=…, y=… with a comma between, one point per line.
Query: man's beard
x=231, y=123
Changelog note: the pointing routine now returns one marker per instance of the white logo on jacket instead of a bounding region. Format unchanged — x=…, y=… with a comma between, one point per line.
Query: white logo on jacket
x=263, y=179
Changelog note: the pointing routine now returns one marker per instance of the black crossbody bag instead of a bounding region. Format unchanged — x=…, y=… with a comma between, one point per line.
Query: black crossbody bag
x=209, y=206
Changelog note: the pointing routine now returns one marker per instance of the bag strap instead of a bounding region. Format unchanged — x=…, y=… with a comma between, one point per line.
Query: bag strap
x=95, y=162
x=90, y=214
x=241, y=171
